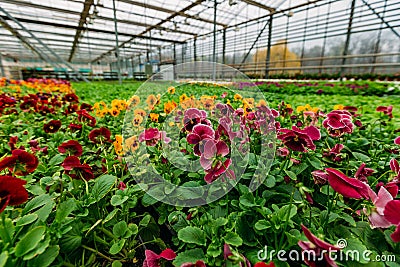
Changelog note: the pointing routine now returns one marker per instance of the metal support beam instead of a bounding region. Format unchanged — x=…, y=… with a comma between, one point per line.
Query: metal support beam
x=378, y=40
x=156, y=26
x=259, y=5
x=381, y=18
x=254, y=43
x=223, y=45
x=117, y=44
x=82, y=21
x=348, y=34
x=215, y=41
x=165, y=10
x=195, y=48
x=2, y=72
x=268, y=57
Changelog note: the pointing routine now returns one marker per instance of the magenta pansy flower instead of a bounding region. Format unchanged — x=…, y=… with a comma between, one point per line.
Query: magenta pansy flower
x=346, y=186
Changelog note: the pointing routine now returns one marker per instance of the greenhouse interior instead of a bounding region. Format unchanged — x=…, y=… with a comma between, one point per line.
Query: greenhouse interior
x=200, y=133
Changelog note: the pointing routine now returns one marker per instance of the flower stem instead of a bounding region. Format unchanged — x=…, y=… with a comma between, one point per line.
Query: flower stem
x=98, y=253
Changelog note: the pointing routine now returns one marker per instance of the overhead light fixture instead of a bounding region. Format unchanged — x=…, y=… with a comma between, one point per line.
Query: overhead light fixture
x=100, y=3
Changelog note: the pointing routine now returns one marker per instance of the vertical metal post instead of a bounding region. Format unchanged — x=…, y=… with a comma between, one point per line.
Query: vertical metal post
x=195, y=48
x=378, y=40
x=117, y=44
x=215, y=42
x=304, y=38
x=174, y=54
x=183, y=48
x=3, y=73
x=140, y=63
x=347, y=43
x=268, y=57
x=321, y=62
x=223, y=45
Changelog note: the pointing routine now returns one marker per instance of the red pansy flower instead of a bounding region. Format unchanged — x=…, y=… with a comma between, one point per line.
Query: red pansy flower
x=320, y=177
x=395, y=167
x=86, y=106
x=363, y=172
x=153, y=260
x=386, y=110
x=317, y=246
x=71, y=147
x=334, y=153
x=338, y=122
x=71, y=98
x=75, y=127
x=152, y=136
x=13, y=141
x=348, y=187
x=84, y=116
x=298, y=140
x=52, y=127
x=12, y=191
x=20, y=162
x=76, y=170
x=100, y=135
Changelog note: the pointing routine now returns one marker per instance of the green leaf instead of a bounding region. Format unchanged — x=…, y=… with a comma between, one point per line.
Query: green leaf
x=283, y=212
x=193, y=235
x=145, y=221
x=57, y=159
x=120, y=229
x=270, y=181
x=117, y=246
x=64, y=209
x=116, y=264
x=233, y=239
x=38, y=250
x=103, y=185
x=46, y=258
x=262, y=225
x=316, y=163
x=148, y=200
x=110, y=215
x=36, y=203
x=117, y=200
x=187, y=256
x=247, y=200
x=44, y=212
x=29, y=241
x=291, y=175
x=7, y=230
x=3, y=258
x=27, y=219
x=361, y=156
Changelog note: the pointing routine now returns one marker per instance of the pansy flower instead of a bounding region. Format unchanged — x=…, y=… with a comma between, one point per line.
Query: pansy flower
x=194, y=116
x=100, y=135
x=152, y=136
x=198, y=263
x=338, y=122
x=386, y=110
x=52, y=126
x=71, y=147
x=363, y=172
x=12, y=191
x=154, y=260
x=334, y=153
x=84, y=116
x=75, y=127
x=72, y=98
x=20, y=162
x=298, y=140
x=376, y=214
x=76, y=170
x=346, y=186
x=319, y=247
x=397, y=141
x=199, y=135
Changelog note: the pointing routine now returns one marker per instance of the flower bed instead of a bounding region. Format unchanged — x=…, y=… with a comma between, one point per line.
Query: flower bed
x=72, y=177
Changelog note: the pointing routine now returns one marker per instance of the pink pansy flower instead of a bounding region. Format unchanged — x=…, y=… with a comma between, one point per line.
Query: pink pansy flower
x=212, y=152
x=198, y=263
x=221, y=167
x=376, y=216
x=338, y=122
x=153, y=260
x=363, y=172
x=346, y=186
x=298, y=140
x=395, y=167
x=152, y=136
x=193, y=117
x=334, y=153
x=397, y=141
x=320, y=177
x=386, y=110
x=199, y=135
x=317, y=245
